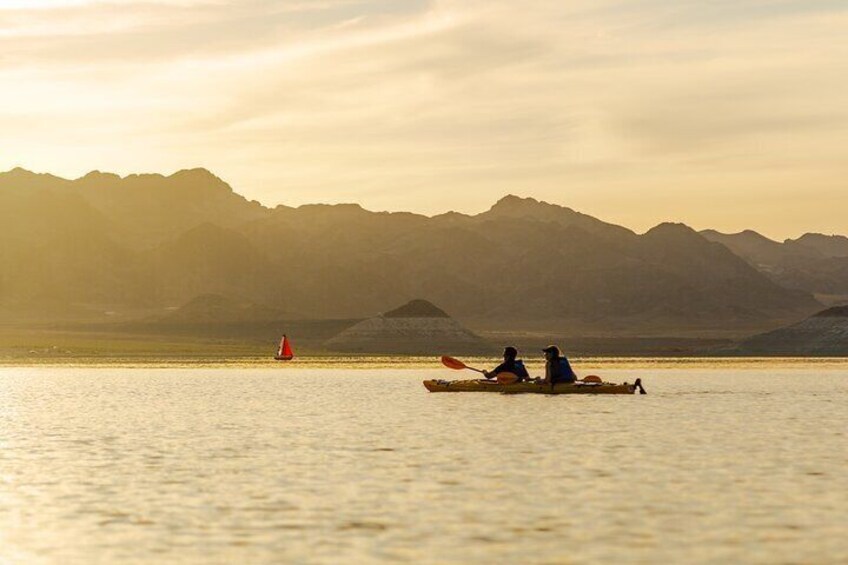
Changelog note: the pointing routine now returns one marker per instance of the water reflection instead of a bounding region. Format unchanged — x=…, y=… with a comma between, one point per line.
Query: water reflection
x=738, y=463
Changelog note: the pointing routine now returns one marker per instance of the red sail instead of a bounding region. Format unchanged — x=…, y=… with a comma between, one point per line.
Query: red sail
x=284, y=353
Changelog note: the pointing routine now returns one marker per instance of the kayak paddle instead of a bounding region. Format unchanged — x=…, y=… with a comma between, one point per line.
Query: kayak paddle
x=458, y=365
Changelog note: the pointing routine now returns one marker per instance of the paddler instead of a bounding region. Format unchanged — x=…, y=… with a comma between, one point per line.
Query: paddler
x=557, y=367
x=511, y=364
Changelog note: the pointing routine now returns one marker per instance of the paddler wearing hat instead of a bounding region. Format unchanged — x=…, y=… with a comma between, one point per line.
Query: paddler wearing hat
x=557, y=367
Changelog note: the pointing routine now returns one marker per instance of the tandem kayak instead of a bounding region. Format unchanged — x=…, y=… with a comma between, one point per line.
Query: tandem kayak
x=482, y=385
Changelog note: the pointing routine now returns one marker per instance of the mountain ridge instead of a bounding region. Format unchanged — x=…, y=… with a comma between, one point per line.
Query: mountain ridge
x=814, y=263
x=164, y=240
x=507, y=202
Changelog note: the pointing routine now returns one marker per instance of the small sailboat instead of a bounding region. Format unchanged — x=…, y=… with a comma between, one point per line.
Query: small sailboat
x=284, y=352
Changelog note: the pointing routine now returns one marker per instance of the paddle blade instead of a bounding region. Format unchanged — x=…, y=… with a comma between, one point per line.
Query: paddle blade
x=452, y=363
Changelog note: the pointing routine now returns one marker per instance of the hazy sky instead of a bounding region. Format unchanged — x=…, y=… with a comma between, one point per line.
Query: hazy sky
x=725, y=114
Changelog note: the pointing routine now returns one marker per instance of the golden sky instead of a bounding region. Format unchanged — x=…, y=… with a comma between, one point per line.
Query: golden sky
x=728, y=114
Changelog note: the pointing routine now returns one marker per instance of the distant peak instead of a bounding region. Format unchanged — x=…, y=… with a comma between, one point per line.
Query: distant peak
x=199, y=173
x=199, y=181
x=339, y=206
x=820, y=237
x=512, y=207
x=99, y=176
x=20, y=172
x=812, y=235
x=672, y=228
x=828, y=245
x=451, y=216
x=747, y=234
x=514, y=199
x=751, y=234
x=518, y=206
x=337, y=210
x=417, y=309
x=513, y=202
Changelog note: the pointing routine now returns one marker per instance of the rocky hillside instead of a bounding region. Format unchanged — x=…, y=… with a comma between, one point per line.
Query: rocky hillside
x=826, y=333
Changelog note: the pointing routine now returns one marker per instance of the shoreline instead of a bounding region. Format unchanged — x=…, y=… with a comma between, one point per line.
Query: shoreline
x=414, y=363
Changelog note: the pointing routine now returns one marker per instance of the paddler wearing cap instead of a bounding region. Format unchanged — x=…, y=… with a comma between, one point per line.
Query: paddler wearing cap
x=557, y=367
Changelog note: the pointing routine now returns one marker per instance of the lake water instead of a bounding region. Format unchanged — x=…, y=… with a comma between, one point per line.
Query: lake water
x=745, y=464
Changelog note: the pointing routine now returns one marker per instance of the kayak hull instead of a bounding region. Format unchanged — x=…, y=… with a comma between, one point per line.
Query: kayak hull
x=479, y=385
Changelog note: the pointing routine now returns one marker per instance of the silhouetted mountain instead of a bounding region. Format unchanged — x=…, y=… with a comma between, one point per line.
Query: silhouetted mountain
x=824, y=245
x=750, y=245
x=416, y=328
x=814, y=263
x=148, y=242
x=530, y=209
x=145, y=209
x=417, y=309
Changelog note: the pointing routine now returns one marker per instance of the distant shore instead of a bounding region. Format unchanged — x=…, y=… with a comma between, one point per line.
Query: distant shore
x=583, y=365
x=60, y=347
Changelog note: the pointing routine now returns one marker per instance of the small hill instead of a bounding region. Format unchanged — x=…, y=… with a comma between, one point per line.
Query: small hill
x=416, y=328
x=417, y=309
x=826, y=334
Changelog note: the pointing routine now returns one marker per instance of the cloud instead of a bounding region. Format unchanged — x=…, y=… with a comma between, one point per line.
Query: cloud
x=637, y=111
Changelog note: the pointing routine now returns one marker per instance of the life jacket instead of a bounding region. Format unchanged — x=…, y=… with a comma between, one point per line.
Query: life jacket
x=516, y=367
x=566, y=372
x=520, y=369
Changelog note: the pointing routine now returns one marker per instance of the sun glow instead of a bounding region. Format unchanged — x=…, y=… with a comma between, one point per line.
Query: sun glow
x=634, y=113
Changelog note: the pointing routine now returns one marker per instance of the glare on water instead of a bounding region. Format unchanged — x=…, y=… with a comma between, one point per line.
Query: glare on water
x=743, y=463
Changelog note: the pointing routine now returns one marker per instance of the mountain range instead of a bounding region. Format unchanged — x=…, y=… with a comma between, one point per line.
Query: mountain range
x=109, y=248
x=815, y=263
